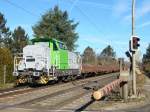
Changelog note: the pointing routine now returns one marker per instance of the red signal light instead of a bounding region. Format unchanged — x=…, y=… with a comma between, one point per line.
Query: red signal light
x=135, y=43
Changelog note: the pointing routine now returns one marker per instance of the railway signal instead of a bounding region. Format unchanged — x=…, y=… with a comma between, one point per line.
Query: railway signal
x=134, y=43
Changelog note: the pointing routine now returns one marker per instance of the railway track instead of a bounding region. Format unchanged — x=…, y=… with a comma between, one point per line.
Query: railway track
x=61, y=96
x=80, y=98
x=17, y=91
x=23, y=89
x=61, y=100
x=14, y=91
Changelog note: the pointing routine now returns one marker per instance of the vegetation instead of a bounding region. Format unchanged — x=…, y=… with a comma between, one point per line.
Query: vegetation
x=89, y=56
x=19, y=39
x=53, y=24
x=107, y=56
x=6, y=59
x=4, y=31
x=5, y=54
x=108, y=52
x=146, y=60
x=10, y=43
x=56, y=24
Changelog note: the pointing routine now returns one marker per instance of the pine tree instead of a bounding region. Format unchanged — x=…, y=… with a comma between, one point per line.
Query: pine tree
x=5, y=50
x=89, y=56
x=146, y=60
x=19, y=39
x=107, y=56
x=56, y=24
x=108, y=52
x=4, y=31
x=146, y=57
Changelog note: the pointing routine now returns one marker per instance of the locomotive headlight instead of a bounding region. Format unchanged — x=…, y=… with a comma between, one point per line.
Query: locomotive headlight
x=36, y=65
x=21, y=65
x=39, y=65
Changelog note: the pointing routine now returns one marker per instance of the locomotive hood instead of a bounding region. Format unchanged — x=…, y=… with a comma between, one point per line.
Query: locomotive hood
x=35, y=57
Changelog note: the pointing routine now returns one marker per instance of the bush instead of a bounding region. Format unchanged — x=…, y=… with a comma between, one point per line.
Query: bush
x=6, y=59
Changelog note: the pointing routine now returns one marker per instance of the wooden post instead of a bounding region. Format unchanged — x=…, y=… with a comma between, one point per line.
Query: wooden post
x=123, y=85
x=125, y=91
x=120, y=66
x=4, y=77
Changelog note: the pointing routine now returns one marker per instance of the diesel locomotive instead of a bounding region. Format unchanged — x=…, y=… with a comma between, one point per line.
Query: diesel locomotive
x=46, y=60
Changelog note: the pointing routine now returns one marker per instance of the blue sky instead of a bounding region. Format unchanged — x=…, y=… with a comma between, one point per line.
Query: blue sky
x=101, y=22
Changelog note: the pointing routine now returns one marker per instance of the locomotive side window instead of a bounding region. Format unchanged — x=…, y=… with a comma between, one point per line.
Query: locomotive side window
x=30, y=60
x=54, y=46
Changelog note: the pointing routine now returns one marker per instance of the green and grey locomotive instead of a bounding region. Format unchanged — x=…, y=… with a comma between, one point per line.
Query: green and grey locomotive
x=46, y=59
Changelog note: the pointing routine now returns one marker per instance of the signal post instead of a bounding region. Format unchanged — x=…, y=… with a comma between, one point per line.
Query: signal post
x=133, y=44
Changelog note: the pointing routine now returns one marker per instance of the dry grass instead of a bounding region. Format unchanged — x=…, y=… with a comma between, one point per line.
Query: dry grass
x=140, y=78
x=7, y=85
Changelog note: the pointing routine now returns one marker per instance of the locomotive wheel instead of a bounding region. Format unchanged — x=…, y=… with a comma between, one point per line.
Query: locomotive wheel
x=73, y=77
x=20, y=81
x=65, y=79
x=69, y=78
x=84, y=76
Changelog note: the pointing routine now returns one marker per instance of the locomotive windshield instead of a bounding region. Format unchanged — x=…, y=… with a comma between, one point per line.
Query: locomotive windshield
x=62, y=46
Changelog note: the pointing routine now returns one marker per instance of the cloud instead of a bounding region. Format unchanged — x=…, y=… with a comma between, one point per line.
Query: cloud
x=127, y=18
x=100, y=40
x=72, y=6
x=122, y=11
x=120, y=8
x=122, y=43
x=98, y=43
x=144, y=45
x=145, y=24
x=94, y=40
x=144, y=9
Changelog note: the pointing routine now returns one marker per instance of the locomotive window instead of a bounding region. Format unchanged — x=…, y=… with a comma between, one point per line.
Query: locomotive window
x=30, y=60
x=54, y=46
x=61, y=46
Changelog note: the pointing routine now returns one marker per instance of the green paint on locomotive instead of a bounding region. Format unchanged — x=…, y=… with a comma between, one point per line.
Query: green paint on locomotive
x=58, y=52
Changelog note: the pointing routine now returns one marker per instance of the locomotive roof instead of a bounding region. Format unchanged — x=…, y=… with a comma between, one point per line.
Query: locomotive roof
x=45, y=40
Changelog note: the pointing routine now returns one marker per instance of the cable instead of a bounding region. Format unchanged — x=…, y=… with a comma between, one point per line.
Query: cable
x=104, y=6
x=19, y=7
x=96, y=27
x=72, y=6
